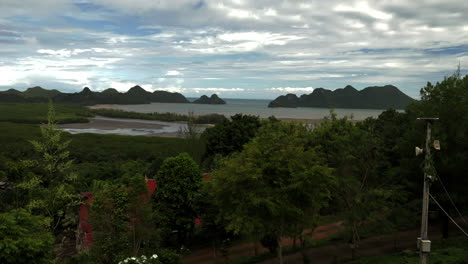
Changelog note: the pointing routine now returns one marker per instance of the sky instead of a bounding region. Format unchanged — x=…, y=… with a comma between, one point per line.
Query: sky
x=235, y=48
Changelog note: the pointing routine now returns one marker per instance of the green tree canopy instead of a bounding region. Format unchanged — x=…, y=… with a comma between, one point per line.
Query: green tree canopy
x=178, y=181
x=230, y=135
x=275, y=182
x=25, y=238
x=362, y=190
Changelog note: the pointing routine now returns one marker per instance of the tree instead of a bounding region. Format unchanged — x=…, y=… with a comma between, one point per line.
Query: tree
x=49, y=183
x=191, y=134
x=25, y=238
x=275, y=182
x=447, y=100
x=178, y=181
x=229, y=136
x=121, y=216
x=362, y=191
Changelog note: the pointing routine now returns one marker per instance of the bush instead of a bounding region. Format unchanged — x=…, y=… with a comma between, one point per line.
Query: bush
x=24, y=238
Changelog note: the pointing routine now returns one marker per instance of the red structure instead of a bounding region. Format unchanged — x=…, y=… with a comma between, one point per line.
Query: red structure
x=85, y=230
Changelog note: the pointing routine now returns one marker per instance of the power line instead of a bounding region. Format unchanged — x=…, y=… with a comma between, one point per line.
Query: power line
x=461, y=229
x=450, y=198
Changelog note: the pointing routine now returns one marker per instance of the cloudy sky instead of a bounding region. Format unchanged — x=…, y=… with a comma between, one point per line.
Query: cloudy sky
x=236, y=48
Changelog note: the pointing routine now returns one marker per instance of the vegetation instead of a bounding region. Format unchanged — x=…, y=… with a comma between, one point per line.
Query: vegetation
x=451, y=251
x=135, y=95
x=375, y=97
x=274, y=187
x=213, y=99
x=267, y=180
x=229, y=136
x=121, y=217
x=24, y=238
x=36, y=113
x=169, y=117
x=178, y=181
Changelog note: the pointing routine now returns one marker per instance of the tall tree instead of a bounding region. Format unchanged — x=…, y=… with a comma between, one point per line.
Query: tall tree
x=275, y=182
x=361, y=190
x=50, y=183
x=121, y=216
x=447, y=100
x=178, y=181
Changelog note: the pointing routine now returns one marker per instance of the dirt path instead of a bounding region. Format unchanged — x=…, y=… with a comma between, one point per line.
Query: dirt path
x=336, y=253
x=206, y=255
x=373, y=246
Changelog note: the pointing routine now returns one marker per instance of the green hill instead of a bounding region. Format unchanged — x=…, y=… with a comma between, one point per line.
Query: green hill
x=374, y=97
x=38, y=91
x=214, y=99
x=136, y=95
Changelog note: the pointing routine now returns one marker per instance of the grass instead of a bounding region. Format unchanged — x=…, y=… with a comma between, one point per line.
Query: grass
x=450, y=251
x=14, y=141
x=36, y=113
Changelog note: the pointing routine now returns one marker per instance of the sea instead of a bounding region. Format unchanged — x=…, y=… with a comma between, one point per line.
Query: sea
x=256, y=107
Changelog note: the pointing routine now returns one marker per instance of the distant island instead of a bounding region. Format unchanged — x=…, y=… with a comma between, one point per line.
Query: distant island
x=374, y=97
x=214, y=99
x=136, y=95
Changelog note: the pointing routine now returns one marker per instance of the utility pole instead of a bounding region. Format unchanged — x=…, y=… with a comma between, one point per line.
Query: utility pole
x=424, y=244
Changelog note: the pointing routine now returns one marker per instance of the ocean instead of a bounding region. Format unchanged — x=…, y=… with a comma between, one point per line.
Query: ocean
x=120, y=126
x=250, y=107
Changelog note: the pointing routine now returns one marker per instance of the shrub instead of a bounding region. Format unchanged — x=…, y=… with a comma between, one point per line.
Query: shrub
x=24, y=238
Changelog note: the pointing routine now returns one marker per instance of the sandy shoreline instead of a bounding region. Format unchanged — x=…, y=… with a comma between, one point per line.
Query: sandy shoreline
x=108, y=124
x=131, y=127
x=104, y=106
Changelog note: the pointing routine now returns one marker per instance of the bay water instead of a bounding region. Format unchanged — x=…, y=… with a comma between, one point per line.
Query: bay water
x=250, y=107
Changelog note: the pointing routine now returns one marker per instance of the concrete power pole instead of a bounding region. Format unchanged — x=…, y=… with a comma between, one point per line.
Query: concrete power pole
x=424, y=244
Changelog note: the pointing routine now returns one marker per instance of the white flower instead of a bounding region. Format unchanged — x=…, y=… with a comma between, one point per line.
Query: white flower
x=133, y=258
x=154, y=256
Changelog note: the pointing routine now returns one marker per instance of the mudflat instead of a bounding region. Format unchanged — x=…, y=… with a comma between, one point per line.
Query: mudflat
x=111, y=124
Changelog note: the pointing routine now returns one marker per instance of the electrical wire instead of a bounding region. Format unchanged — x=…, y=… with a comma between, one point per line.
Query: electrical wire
x=450, y=198
x=461, y=229
x=447, y=193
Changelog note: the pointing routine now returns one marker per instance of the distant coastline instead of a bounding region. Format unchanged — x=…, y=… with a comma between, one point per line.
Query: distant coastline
x=255, y=107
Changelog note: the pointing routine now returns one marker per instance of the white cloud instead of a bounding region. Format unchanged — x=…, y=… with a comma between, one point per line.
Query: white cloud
x=125, y=86
x=363, y=7
x=381, y=26
x=216, y=90
x=173, y=73
x=190, y=43
x=261, y=38
x=292, y=89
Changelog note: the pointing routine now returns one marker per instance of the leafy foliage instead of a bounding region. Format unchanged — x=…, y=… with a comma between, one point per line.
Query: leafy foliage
x=121, y=217
x=361, y=191
x=228, y=136
x=272, y=184
x=178, y=182
x=36, y=113
x=25, y=238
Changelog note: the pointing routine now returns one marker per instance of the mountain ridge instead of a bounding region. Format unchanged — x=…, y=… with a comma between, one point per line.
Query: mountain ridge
x=135, y=95
x=372, y=97
x=214, y=99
